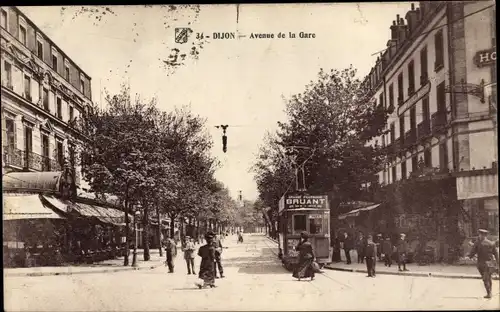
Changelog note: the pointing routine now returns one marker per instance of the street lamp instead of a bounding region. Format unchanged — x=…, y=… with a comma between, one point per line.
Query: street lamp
x=134, y=256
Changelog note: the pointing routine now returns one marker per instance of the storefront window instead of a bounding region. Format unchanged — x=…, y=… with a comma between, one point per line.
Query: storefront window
x=315, y=224
x=299, y=223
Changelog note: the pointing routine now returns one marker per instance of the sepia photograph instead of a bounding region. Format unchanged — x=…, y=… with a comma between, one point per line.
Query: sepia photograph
x=250, y=157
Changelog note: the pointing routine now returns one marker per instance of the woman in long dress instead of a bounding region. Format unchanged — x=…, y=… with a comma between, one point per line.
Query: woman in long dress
x=304, y=268
x=207, y=265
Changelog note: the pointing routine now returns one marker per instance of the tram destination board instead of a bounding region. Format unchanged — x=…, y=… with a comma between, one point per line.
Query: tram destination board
x=306, y=202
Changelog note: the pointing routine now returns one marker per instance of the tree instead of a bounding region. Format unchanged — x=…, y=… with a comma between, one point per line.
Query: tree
x=121, y=151
x=335, y=119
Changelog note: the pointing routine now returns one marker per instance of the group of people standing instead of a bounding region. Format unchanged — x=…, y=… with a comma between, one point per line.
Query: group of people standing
x=210, y=254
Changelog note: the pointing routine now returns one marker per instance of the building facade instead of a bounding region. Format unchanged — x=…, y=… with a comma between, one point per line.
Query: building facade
x=437, y=79
x=43, y=93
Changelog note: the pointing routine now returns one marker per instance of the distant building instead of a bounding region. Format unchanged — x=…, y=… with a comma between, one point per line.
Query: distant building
x=438, y=77
x=43, y=93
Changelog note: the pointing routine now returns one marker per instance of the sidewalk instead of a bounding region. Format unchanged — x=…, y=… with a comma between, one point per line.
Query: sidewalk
x=108, y=266
x=433, y=270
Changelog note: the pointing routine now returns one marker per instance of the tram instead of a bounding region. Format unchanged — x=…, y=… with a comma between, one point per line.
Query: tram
x=298, y=213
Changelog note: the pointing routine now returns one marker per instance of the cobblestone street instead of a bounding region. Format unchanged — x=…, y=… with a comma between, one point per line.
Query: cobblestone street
x=255, y=280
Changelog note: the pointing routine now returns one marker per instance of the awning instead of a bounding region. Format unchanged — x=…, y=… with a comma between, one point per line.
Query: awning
x=60, y=204
x=357, y=212
x=20, y=206
x=35, y=182
x=477, y=186
x=103, y=214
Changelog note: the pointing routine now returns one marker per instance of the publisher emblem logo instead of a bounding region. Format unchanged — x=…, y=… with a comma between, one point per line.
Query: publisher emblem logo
x=182, y=34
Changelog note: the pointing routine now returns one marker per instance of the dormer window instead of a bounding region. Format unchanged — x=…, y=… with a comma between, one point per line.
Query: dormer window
x=22, y=34
x=39, y=50
x=54, y=62
x=82, y=85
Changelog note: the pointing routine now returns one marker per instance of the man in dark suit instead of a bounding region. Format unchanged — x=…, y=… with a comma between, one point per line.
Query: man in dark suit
x=218, y=254
x=485, y=251
x=371, y=256
x=402, y=248
x=348, y=246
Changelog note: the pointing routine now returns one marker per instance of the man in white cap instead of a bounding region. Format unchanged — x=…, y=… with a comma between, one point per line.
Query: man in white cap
x=485, y=251
x=402, y=250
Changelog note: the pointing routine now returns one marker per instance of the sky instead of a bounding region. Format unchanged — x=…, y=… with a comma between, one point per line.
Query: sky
x=239, y=82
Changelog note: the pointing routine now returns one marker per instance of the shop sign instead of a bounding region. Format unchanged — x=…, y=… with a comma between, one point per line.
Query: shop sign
x=291, y=244
x=420, y=93
x=306, y=202
x=486, y=57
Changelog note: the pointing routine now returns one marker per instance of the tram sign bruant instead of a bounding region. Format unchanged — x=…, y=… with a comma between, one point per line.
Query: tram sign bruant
x=306, y=202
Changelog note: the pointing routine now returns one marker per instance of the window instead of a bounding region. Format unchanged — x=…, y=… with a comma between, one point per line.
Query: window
x=402, y=127
x=59, y=108
x=7, y=74
x=299, y=223
x=28, y=139
x=414, y=163
x=22, y=34
x=60, y=153
x=71, y=150
x=443, y=156
x=45, y=152
x=393, y=133
x=71, y=113
x=441, y=98
x=54, y=62
x=411, y=78
x=439, y=46
x=45, y=99
x=413, y=118
x=10, y=134
x=425, y=109
x=394, y=174
x=27, y=87
x=82, y=85
x=4, y=19
x=428, y=157
x=391, y=95
x=423, y=66
x=403, y=169
x=39, y=45
x=381, y=99
x=400, y=89
x=66, y=72
x=315, y=224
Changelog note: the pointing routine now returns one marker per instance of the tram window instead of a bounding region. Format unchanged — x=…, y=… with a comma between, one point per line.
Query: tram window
x=299, y=223
x=316, y=225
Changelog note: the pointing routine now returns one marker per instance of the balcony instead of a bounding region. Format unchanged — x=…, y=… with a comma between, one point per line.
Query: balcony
x=423, y=129
x=438, y=121
x=410, y=138
x=29, y=160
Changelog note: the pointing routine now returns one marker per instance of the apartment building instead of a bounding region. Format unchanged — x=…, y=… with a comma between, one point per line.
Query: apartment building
x=437, y=79
x=43, y=93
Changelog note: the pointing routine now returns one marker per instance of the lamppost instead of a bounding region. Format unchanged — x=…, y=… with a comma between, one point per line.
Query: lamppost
x=134, y=256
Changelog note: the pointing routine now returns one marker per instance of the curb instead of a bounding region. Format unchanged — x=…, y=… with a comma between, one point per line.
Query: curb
x=32, y=274
x=435, y=275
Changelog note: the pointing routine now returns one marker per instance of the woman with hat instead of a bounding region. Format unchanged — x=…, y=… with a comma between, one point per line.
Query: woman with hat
x=207, y=265
x=305, y=267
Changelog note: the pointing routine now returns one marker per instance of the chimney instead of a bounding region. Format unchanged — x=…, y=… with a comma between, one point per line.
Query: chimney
x=412, y=18
x=402, y=31
x=394, y=32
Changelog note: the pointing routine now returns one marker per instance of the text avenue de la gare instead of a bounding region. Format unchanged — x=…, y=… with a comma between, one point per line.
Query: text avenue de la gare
x=280, y=35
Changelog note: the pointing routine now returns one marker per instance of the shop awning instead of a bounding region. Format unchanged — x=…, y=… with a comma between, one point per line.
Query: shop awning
x=357, y=212
x=104, y=214
x=20, y=206
x=60, y=204
x=477, y=186
x=36, y=182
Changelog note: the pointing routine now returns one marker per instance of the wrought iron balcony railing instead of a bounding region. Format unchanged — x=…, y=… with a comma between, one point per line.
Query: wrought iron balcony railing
x=29, y=160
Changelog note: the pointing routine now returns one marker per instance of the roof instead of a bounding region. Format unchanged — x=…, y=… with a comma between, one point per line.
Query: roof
x=32, y=182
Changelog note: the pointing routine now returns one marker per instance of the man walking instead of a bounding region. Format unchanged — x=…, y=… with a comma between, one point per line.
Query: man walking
x=387, y=251
x=360, y=247
x=348, y=245
x=171, y=251
x=189, y=255
x=402, y=250
x=485, y=251
x=371, y=256
x=218, y=261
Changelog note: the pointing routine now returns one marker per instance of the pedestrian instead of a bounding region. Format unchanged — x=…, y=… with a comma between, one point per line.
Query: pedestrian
x=348, y=245
x=207, y=265
x=387, y=251
x=305, y=267
x=402, y=251
x=171, y=251
x=371, y=256
x=218, y=257
x=360, y=247
x=378, y=242
x=189, y=255
x=485, y=251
